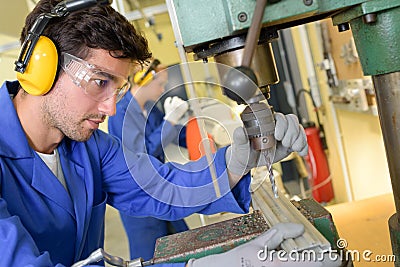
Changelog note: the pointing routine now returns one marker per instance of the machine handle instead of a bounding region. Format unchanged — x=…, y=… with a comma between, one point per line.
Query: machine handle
x=254, y=33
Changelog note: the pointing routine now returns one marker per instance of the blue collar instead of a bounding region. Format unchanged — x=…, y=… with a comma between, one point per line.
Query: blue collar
x=13, y=141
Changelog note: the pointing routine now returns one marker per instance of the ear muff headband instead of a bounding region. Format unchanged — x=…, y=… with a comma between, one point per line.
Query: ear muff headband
x=38, y=60
x=145, y=76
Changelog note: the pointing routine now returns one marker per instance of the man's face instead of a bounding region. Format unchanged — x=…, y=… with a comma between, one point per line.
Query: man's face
x=72, y=111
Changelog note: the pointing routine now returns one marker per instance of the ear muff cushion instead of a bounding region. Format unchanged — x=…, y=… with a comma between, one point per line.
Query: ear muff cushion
x=142, y=81
x=41, y=70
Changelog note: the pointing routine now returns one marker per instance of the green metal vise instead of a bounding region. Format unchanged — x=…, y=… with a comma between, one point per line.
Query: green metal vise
x=223, y=236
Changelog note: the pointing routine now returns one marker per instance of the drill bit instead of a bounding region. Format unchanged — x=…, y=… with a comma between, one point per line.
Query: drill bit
x=269, y=155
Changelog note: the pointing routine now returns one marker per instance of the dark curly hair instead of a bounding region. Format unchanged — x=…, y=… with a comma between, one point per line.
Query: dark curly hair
x=98, y=27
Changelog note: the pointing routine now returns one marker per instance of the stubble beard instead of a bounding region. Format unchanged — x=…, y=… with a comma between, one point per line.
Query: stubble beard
x=57, y=114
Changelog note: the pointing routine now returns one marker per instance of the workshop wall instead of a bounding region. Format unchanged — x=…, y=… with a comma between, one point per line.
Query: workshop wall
x=361, y=132
x=365, y=172
x=163, y=49
x=326, y=116
x=7, y=59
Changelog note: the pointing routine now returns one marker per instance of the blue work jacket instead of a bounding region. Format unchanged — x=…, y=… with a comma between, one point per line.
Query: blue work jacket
x=41, y=224
x=149, y=134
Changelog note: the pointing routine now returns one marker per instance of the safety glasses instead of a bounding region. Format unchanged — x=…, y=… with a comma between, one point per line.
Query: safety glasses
x=96, y=83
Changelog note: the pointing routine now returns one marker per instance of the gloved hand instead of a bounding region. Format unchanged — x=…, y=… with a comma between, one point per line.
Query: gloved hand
x=289, y=134
x=174, y=108
x=257, y=252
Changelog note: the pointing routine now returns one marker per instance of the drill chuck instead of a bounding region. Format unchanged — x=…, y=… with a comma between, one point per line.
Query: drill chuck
x=258, y=119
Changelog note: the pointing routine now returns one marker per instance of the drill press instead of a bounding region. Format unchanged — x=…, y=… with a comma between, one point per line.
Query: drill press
x=217, y=29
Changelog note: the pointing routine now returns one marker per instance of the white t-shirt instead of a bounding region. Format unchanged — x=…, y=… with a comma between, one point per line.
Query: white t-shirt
x=53, y=162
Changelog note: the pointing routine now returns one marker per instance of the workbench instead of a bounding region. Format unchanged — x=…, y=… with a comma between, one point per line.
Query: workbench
x=364, y=226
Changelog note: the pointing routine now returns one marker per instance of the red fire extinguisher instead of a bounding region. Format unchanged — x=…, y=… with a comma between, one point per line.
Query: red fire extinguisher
x=320, y=179
x=194, y=142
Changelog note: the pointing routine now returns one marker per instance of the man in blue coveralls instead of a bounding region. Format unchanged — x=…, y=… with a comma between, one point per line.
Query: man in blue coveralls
x=148, y=132
x=58, y=171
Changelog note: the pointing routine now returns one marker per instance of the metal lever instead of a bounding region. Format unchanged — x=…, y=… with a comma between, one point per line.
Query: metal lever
x=100, y=254
x=254, y=33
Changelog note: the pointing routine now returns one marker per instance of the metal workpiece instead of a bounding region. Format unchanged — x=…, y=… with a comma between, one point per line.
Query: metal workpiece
x=210, y=239
x=277, y=210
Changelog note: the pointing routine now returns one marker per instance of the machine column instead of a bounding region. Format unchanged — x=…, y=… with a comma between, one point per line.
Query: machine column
x=387, y=87
x=376, y=34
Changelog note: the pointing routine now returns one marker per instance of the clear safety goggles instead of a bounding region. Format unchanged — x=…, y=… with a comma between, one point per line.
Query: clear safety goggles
x=98, y=84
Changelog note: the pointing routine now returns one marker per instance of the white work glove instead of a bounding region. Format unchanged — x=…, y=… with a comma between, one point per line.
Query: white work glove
x=257, y=252
x=174, y=108
x=289, y=134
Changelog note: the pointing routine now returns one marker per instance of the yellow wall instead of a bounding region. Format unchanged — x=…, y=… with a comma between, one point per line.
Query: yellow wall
x=7, y=60
x=365, y=153
x=165, y=50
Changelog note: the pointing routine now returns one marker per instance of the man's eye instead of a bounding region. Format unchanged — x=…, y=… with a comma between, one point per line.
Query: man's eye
x=101, y=83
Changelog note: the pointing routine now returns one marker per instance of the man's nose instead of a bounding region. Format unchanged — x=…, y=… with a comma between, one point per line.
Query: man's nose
x=108, y=107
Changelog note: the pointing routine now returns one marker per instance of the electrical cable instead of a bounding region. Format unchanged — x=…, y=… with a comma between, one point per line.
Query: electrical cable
x=321, y=134
x=320, y=126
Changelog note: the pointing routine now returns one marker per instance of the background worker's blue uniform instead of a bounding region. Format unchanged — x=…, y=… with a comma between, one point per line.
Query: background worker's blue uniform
x=41, y=224
x=147, y=135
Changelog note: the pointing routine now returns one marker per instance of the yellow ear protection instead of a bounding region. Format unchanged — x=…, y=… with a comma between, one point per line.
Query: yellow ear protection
x=38, y=61
x=145, y=76
x=40, y=72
